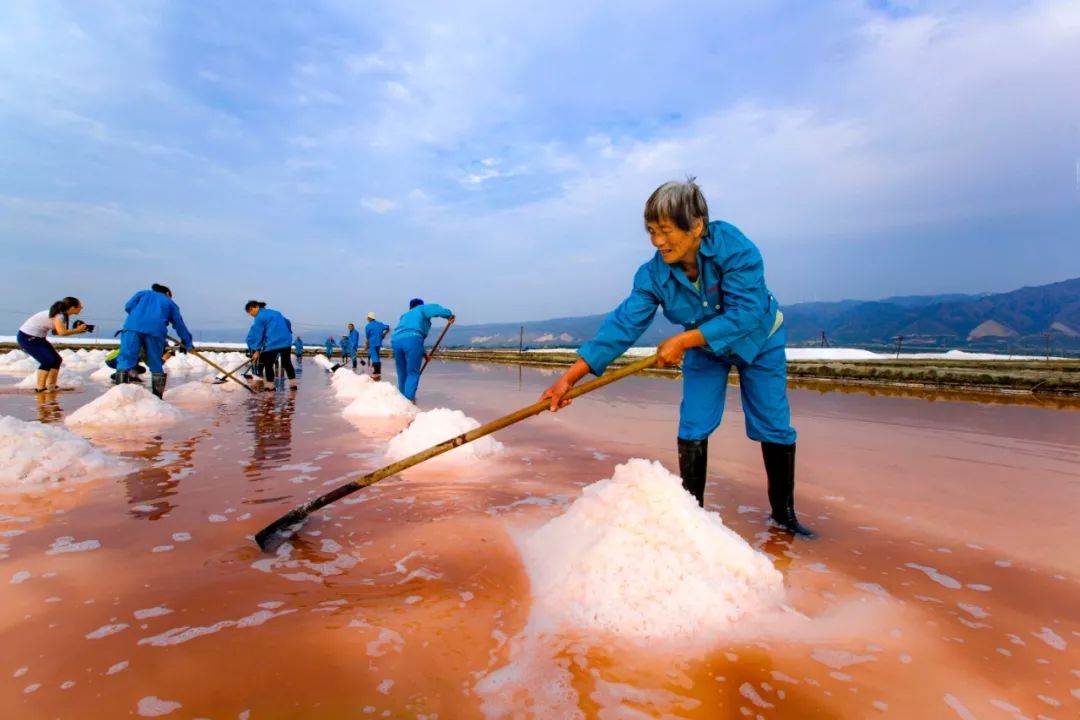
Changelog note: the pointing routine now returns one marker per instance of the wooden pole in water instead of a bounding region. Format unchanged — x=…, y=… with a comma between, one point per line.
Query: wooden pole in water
x=271, y=536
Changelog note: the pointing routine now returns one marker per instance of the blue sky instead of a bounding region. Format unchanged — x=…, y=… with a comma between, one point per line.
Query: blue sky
x=337, y=157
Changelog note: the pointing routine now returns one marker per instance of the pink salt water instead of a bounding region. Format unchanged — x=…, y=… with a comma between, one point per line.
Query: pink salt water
x=945, y=583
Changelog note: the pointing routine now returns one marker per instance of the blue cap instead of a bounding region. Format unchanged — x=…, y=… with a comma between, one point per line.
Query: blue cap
x=414, y=302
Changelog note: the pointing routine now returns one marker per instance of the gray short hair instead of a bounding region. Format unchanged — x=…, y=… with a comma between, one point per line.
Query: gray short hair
x=680, y=202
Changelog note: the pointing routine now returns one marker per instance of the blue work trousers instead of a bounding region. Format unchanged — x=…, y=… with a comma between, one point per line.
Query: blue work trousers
x=373, y=354
x=132, y=343
x=408, y=358
x=762, y=384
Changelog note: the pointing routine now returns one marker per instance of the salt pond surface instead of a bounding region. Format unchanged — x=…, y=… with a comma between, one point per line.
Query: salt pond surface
x=435, y=594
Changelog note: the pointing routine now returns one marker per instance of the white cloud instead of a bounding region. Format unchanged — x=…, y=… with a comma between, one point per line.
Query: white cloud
x=378, y=204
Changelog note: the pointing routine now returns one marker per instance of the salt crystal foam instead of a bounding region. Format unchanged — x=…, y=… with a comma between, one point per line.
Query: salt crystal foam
x=322, y=361
x=125, y=405
x=379, y=400
x=433, y=427
x=636, y=556
x=33, y=454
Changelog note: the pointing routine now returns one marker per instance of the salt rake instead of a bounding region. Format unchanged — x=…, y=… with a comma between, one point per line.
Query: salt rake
x=435, y=347
x=217, y=367
x=271, y=536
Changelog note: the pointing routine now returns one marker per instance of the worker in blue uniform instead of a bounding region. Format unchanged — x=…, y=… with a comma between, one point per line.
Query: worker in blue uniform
x=330, y=345
x=374, y=334
x=270, y=339
x=149, y=313
x=407, y=341
x=347, y=350
x=298, y=347
x=354, y=342
x=709, y=278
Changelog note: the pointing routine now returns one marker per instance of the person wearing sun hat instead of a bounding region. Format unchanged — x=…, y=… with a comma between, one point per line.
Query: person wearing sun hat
x=374, y=333
x=407, y=341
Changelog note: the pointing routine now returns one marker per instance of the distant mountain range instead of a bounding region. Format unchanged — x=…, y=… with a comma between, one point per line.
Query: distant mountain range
x=1018, y=320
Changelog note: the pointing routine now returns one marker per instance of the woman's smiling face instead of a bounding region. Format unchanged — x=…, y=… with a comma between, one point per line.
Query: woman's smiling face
x=675, y=244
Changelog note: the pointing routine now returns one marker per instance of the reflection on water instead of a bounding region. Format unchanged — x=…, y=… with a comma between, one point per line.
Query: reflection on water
x=48, y=409
x=409, y=599
x=269, y=419
x=940, y=395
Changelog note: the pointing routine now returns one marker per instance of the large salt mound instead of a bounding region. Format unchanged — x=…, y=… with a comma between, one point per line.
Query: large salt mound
x=637, y=557
x=379, y=400
x=348, y=385
x=433, y=427
x=125, y=405
x=35, y=454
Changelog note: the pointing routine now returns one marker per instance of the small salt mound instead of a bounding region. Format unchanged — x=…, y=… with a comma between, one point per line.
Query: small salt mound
x=125, y=405
x=637, y=557
x=203, y=392
x=17, y=363
x=379, y=400
x=186, y=365
x=102, y=374
x=65, y=379
x=348, y=386
x=322, y=361
x=34, y=454
x=433, y=427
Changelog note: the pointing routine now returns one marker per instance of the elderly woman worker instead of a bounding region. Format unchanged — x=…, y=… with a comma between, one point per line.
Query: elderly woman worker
x=33, y=338
x=709, y=278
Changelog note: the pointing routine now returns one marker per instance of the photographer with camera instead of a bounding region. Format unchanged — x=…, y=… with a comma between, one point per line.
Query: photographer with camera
x=33, y=338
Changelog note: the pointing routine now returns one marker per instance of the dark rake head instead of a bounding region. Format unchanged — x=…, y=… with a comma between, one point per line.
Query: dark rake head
x=273, y=535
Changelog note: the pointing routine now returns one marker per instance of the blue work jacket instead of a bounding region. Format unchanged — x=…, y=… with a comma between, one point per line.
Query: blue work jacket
x=354, y=338
x=346, y=346
x=731, y=305
x=330, y=345
x=270, y=331
x=418, y=320
x=150, y=312
x=373, y=332
x=299, y=345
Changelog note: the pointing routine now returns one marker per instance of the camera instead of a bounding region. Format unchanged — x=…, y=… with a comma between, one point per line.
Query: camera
x=81, y=324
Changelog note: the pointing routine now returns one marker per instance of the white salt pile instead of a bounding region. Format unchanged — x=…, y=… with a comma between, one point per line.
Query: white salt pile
x=65, y=379
x=203, y=392
x=34, y=454
x=125, y=405
x=322, y=361
x=636, y=556
x=17, y=363
x=348, y=385
x=379, y=400
x=433, y=427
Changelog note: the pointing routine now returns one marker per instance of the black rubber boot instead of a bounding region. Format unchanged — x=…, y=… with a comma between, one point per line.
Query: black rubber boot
x=376, y=368
x=157, y=384
x=120, y=377
x=780, y=470
x=693, y=461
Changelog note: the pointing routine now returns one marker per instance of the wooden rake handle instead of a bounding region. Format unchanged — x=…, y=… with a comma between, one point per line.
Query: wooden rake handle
x=270, y=537
x=214, y=365
x=435, y=347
